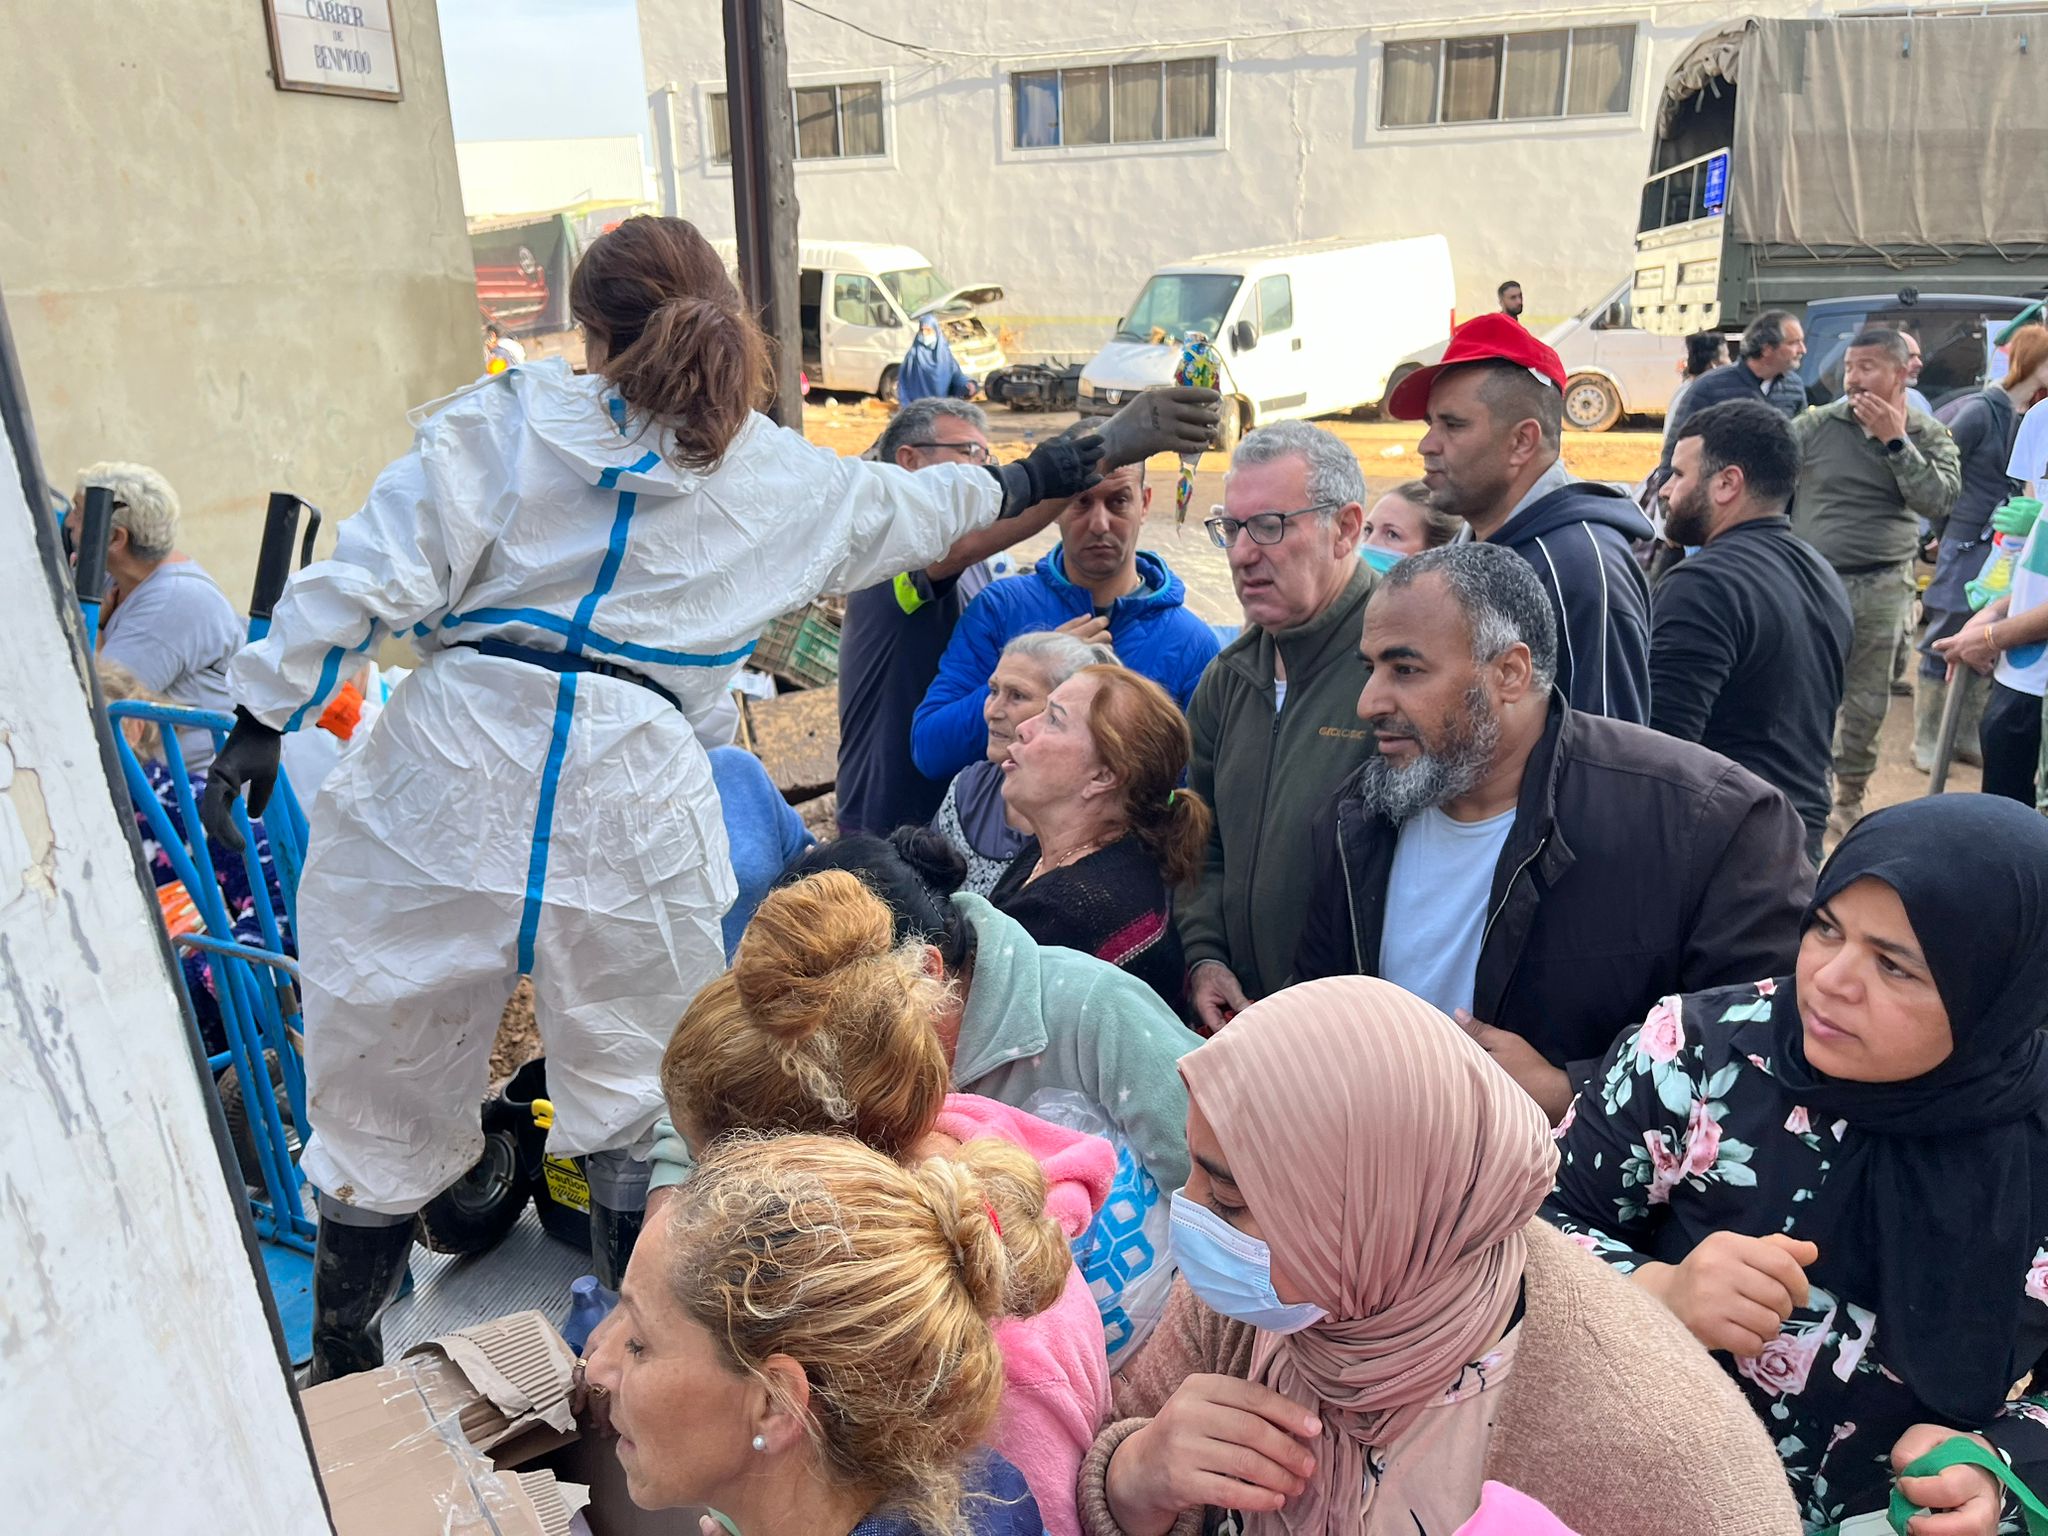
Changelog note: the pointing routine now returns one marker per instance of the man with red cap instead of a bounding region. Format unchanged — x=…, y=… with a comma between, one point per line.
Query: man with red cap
x=1495, y=408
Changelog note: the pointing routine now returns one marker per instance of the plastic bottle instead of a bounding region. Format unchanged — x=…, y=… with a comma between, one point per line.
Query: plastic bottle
x=589, y=1305
x=2010, y=526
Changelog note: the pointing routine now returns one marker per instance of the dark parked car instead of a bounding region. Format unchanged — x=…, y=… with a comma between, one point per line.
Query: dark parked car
x=1958, y=335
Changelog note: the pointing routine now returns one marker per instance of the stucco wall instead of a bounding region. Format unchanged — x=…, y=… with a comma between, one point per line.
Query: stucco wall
x=1300, y=154
x=243, y=286
x=139, y=1389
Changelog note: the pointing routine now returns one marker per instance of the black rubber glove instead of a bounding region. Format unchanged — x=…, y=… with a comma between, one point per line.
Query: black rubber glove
x=248, y=758
x=1174, y=419
x=1056, y=469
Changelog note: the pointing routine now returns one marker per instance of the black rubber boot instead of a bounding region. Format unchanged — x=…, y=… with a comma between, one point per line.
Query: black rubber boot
x=356, y=1274
x=618, y=1206
x=612, y=1236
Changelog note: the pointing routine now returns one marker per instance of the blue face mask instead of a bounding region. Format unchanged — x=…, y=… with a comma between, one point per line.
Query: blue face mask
x=1381, y=560
x=1232, y=1273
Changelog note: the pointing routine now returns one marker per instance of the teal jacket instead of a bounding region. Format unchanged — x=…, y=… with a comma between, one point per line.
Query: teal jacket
x=1039, y=1017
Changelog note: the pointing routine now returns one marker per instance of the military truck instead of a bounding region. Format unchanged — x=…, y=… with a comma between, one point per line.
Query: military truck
x=1801, y=160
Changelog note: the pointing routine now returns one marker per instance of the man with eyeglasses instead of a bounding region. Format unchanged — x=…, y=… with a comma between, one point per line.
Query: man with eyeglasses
x=1495, y=409
x=895, y=631
x=1098, y=585
x=1274, y=719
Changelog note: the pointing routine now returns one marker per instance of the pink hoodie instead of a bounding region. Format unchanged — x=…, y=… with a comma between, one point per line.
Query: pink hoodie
x=1057, y=1369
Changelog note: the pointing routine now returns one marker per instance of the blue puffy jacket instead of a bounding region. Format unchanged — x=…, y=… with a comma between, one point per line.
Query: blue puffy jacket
x=1152, y=630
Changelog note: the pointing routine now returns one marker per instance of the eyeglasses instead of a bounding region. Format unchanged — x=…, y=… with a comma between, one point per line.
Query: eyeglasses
x=1264, y=527
x=975, y=453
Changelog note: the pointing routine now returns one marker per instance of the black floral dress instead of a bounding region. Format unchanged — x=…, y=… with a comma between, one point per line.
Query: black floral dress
x=1686, y=1133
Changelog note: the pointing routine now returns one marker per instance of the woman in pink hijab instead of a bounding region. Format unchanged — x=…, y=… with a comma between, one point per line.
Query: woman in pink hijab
x=1370, y=1323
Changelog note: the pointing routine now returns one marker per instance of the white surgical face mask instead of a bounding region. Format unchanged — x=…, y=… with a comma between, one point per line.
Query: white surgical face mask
x=1232, y=1273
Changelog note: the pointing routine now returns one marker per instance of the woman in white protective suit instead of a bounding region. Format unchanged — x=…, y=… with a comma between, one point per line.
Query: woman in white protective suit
x=582, y=563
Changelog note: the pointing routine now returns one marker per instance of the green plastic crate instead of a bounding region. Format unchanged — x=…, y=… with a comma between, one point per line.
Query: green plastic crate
x=802, y=646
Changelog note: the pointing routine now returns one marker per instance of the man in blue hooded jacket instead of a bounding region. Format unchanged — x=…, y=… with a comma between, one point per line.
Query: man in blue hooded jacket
x=1495, y=408
x=1097, y=584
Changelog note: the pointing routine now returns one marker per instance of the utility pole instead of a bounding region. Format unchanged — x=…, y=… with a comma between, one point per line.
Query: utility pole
x=762, y=129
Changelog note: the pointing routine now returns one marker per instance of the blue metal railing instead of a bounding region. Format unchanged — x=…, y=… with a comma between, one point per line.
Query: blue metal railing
x=255, y=987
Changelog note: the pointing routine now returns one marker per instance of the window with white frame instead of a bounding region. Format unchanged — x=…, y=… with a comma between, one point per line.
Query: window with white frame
x=1508, y=77
x=833, y=122
x=1160, y=101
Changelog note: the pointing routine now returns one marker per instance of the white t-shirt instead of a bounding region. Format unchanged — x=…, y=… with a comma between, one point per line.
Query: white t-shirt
x=1279, y=694
x=2024, y=668
x=1437, y=893
x=2030, y=449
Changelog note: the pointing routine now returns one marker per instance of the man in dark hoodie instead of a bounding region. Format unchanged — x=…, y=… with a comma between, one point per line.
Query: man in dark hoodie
x=1495, y=408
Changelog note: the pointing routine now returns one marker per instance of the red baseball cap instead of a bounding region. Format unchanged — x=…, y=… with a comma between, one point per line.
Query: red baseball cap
x=1486, y=338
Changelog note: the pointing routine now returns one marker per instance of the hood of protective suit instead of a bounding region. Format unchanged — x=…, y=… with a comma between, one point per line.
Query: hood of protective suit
x=590, y=428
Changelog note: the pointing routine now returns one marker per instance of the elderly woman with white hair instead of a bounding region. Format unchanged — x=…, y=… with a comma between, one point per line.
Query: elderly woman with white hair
x=167, y=621
x=973, y=817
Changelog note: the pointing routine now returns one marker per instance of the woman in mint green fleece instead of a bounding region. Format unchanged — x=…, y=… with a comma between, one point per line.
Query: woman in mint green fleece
x=1025, y=1018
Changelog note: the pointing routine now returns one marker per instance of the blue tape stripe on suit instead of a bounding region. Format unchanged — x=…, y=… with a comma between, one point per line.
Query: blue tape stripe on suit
x=558, y=741
x=330, y=670
x=544, y=818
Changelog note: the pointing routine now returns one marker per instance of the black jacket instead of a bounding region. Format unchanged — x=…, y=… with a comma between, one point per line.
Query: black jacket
x=1985, y=427
x=1748, y=644
x=1579, y=540
x=1637, y=866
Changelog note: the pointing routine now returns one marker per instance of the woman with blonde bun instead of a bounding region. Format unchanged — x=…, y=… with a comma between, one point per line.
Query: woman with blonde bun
x=825, y=1024
x=803, y=1342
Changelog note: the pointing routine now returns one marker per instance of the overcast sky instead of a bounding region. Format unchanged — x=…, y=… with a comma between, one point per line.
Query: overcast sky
x=543, y=69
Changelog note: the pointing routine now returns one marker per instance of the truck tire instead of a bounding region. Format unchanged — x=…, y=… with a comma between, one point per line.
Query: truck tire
x=1591, y=404
x=1394, y=381
x=474, y=1214
x=885, y=387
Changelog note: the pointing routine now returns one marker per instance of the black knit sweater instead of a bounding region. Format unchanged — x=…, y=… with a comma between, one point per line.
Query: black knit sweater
x=1112, y=904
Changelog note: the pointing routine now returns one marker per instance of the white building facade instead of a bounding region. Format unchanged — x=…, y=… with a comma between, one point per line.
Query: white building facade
x=1064, y=150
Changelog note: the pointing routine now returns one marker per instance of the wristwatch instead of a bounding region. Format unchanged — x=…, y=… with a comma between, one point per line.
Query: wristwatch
x=1896, y=445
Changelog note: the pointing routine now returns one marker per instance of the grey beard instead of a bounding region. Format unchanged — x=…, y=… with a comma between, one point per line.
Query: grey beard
x=1398, y=793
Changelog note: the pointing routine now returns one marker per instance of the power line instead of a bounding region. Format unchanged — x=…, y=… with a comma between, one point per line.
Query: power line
x=934, y=53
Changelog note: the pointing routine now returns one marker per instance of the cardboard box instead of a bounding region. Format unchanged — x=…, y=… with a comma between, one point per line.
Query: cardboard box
x=471, y=1434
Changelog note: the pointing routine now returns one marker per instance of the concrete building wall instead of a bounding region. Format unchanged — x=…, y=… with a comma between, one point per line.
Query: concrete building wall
x=502, y=177
x=1299, y=153
x=243, y=286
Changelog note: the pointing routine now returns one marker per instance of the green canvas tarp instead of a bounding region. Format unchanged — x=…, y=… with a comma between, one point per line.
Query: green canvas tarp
x=1891, y=134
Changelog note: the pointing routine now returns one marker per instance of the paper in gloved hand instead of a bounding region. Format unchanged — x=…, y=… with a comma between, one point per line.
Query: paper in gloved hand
x=1198, y=369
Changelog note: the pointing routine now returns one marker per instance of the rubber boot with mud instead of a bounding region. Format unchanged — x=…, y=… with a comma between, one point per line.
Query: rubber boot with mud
x=1848, y=806
x=1930, y=695
x=357, y=1271
x=618, y=1206
x=612, y=1236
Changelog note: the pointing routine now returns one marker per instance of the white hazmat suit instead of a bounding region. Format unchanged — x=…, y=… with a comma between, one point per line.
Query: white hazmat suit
x=504, y=818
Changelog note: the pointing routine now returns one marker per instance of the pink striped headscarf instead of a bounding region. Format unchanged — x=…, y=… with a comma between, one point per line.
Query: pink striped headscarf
x=1391, y=1167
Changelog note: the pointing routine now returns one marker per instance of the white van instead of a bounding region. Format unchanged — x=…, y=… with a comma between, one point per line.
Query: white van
x=858, y=304
x=1304, y=330
x=1611, y=368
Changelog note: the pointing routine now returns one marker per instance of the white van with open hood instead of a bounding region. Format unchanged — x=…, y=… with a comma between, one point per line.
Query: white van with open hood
x=859, y=305
x=1303, y=330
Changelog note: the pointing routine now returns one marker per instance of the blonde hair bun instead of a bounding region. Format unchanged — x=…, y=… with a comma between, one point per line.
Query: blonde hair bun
x=989, y=1198
x=792, y=965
